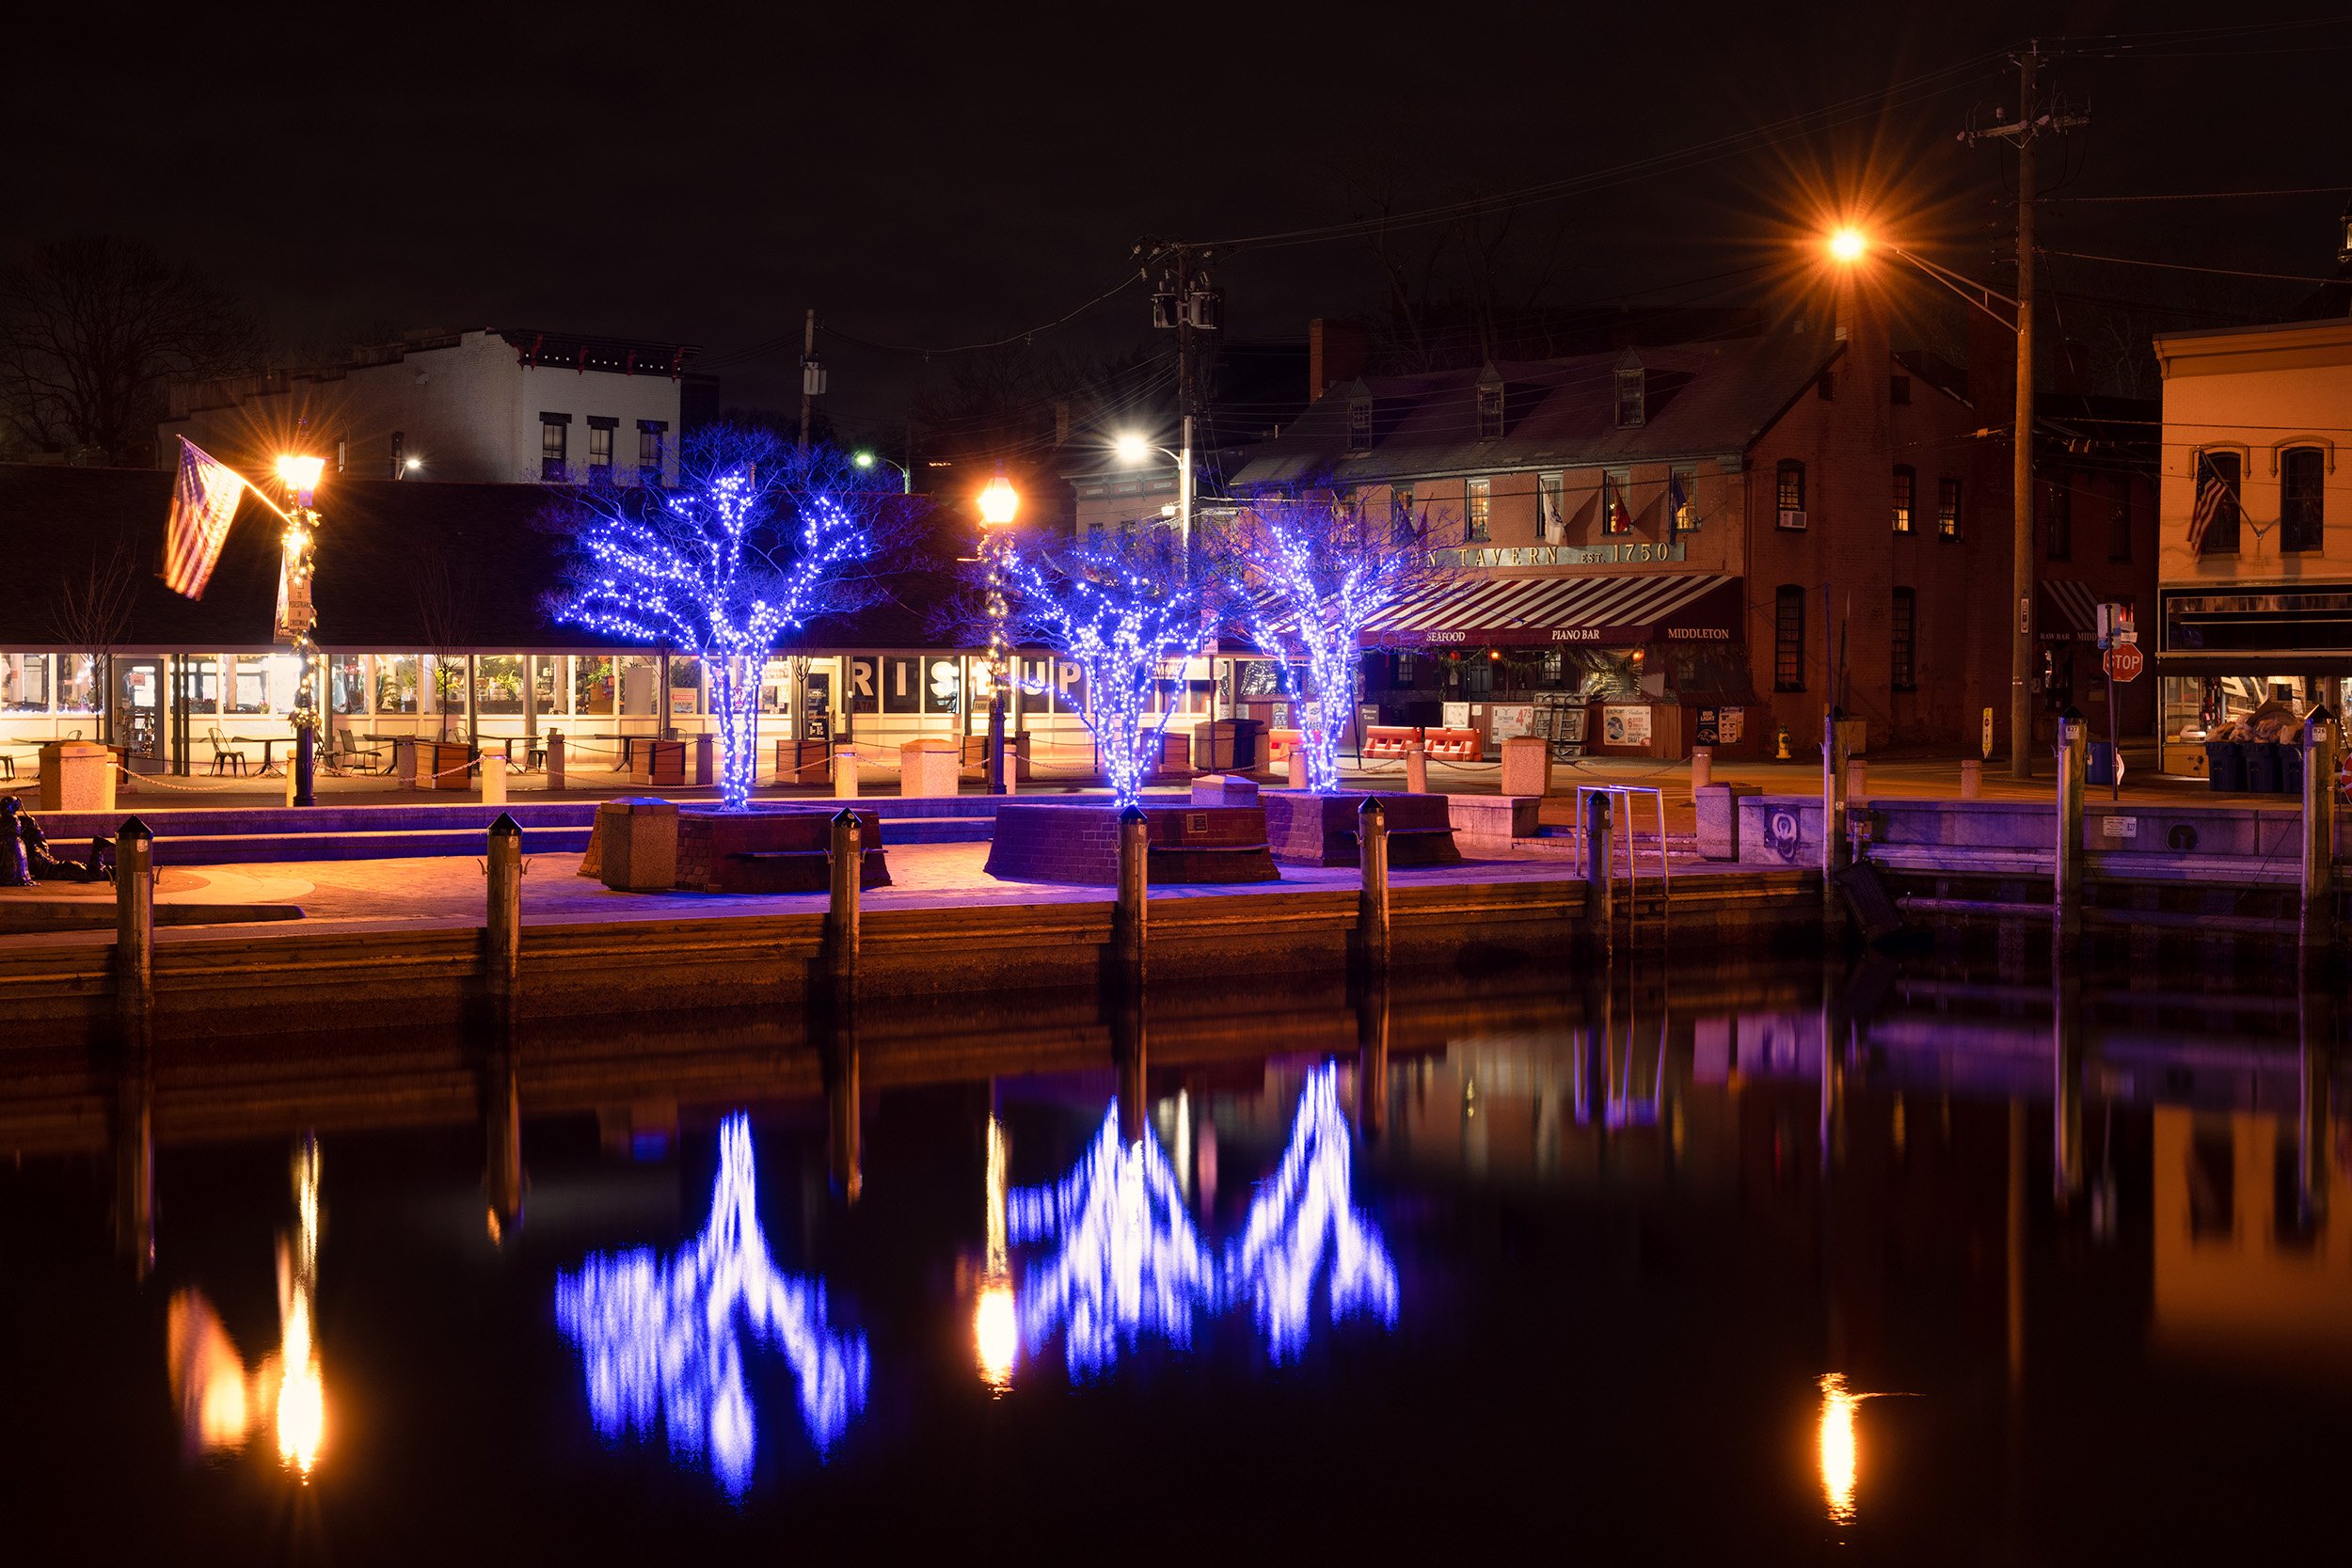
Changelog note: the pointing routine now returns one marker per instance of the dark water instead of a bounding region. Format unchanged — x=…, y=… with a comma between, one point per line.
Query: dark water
x=2021, y=1268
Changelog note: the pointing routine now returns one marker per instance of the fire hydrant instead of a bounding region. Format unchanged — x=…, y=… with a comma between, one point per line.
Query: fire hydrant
x=1782, y=754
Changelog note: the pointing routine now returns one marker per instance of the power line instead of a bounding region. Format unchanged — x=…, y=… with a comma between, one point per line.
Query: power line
x=2185, y=267
x=2208, y=195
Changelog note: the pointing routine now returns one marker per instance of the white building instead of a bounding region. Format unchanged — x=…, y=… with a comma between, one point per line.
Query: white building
x=504, y=406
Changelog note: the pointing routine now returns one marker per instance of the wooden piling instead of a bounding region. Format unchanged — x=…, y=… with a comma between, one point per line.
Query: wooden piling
x=2066, y=891
x=1601, y=868
x=1372, y=1055
x=135, y=918
x=2317, y=1022
x=1372, y=903
x=2319, y=831
x=1128, y=917
x=2066, y=1054
x=841, y=913
x=503, y=935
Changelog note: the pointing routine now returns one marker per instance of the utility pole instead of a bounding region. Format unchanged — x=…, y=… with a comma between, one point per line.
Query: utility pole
x=812, y=376
x=2031, y=122
x=1184, y=300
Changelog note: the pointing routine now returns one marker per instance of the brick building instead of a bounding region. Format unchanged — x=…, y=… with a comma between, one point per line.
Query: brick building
x=1704, y=542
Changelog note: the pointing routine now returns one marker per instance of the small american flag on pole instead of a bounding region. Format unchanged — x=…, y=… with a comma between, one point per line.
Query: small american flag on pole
x=2211, y=499
x=203, y=500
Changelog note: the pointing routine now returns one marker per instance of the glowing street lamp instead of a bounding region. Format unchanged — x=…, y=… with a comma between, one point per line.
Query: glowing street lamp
x=297, y=614
x=866, y=460
x=1847, y=246
x=999, y=504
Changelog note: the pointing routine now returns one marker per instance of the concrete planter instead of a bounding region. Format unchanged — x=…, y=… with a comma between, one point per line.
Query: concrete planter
x=1306, y=829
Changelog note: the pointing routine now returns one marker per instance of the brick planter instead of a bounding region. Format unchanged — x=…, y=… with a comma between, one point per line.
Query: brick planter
x=769, y=852
x=1079, y=844
x=1306, y=829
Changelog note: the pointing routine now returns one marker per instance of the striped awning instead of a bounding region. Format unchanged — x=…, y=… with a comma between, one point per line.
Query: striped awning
x=2069, y=612
x=1620, y=610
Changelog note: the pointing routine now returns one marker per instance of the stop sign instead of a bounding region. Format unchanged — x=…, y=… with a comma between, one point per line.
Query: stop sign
x=2125, y=661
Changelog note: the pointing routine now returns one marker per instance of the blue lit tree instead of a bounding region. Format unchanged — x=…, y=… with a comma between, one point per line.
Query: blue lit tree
x=757, y=539
x=660, y=1339
x=1310, y=574
x=1123, y=609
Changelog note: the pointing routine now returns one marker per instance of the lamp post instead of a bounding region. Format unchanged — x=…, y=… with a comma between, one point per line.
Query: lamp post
x=1847, y=246
x=999, y=504
x=298, y=616
x=865, y=459
x=1133, y=450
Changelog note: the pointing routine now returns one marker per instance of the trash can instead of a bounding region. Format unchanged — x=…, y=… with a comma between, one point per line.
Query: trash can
x=2263, y=765
x=2102, y=767
x=2225, y=767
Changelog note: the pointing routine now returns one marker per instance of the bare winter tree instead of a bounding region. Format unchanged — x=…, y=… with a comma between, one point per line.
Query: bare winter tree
x=445, y=616
x=91, y=615
x=92, y=331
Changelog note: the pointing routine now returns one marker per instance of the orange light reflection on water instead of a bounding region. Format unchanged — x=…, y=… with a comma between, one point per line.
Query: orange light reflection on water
x=1840, y=1452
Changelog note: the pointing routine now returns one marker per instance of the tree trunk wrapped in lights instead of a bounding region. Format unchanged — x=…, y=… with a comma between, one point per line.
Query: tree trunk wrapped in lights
x=1125, y=610
x=1310, y=574
x=756, y=539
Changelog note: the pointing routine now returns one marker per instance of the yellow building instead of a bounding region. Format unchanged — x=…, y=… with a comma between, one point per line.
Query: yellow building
x=2255, y=563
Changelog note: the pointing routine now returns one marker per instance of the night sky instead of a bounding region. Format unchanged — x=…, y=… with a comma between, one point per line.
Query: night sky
x=938, y=177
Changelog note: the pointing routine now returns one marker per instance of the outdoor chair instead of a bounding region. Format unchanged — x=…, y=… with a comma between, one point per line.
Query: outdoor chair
x=223, y=754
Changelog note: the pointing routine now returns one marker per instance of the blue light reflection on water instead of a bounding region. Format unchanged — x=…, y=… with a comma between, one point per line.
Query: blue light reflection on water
x=1129, y=1262
x=662, y=1337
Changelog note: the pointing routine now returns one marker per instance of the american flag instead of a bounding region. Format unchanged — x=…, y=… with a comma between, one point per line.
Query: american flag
x=1613, y=518
x=203, y=500
x=2210, y=500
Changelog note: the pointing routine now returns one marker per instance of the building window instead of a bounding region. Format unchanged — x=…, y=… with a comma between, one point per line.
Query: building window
x=2214, y=524
x=23, y=683
x=2061, y=507
x=1616, y=512
x=1947, y=508
x=600, y=449
x=1480, y=495
x=1682, y=492
x=1633, y=397
x=2120, y=518
x=250, y=694
x=1789, y=489
x=1789, y=638
x=1360, y=425
x=1407, y=670
x=1898, y=390
x=2302, y=498
x=1902, y=641
x=555, y=433
x=649, y=438
x=1906, y=497
x=1489, y=410
x=1551, y=507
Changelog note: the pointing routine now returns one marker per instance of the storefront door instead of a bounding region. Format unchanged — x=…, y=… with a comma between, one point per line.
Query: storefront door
x=139, y=706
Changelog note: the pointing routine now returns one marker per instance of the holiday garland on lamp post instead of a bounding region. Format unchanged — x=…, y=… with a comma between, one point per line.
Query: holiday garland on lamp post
x=744, y=551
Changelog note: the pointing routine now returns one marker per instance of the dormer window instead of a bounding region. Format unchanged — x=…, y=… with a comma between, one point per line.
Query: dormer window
x=1359, y=424
x=1489, y=410
x=1632, y=394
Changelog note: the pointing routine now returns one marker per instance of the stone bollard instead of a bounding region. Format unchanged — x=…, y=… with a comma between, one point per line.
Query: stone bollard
x=2066, y=883
x=1701, y=767
x=1009, y=768
x=493, y=780
x=1371, y=905
x=1599, y=867
x=637, y=844
x=1526, y=766
x=77, y=775
x=1296, y=763
x=1972, y=781
x=2319, y=831
x=555, y=759
x=841, y=913
x=705, y=769
x=1833, y=821
x=1416, y=767
x=1129, y=916
x=502, y=946
x=844, y=773
x=134, y=918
